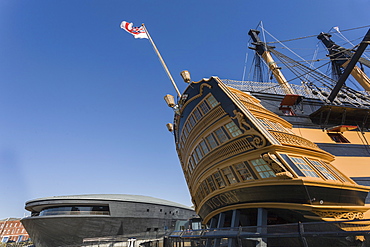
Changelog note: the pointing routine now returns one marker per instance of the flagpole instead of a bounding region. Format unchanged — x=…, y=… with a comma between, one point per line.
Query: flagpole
x=162, y=61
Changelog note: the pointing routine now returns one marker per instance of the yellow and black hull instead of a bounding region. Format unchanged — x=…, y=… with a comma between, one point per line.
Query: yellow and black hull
x=238, y=155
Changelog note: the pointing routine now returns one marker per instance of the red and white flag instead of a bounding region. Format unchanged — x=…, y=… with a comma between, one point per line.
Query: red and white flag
x=138, y=32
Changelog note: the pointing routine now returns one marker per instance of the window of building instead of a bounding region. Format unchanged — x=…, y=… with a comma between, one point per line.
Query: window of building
x=191, y=121
x=197, y=114
x=73, y=210
x=233, y=129
x=204, y=107
x=287, y=111
x=304, y=167
x=219, y=180
x=205, y=188
x=325, y=172
x=211, y=141
x=191, y=165
x=195, y=158
x=212, y=101
x=333, y=171
x=338, y=138
x=265, y=123
x=228, y=173
x=204, y=147
x=202, y=193
x=199, y=153
x=211, y=184
x=243, y=171
x=221, y=136
x=185, y=131
x=263, y=168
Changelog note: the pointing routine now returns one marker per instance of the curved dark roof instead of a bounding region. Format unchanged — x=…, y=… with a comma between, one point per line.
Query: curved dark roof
x=112, y=197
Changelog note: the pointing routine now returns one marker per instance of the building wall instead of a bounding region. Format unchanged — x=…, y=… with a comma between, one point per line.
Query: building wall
x=12, y=230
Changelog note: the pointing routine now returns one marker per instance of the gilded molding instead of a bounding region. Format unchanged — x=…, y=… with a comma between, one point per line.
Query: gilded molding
x=291, y=139
x=258, y=140
x=340, y=215
x=276, y=165
x=198, y=95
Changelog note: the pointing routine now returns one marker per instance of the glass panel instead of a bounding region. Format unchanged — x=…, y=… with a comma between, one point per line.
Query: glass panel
x=212, y=101
x=222, y=137
x=243, y=171
x=204, y=147
x=205, y=187
x=233, y=129
x=265, y=123
x=195, y=157
x=262, y=168
x=199, y=153
x=211, y=183
x=219, y=180
x=76, y=210
x=191, y=121
x=187, y=127
x=191, y=164
x=201, y=193
x=337, y=137
x=327, y=174
x=185, y=132
x=304, y=167
x=197, y=114
x=229, y=175
x=211, y=141
x=204, y=107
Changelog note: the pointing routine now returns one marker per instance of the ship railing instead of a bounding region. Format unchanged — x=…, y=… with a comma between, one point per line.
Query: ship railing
x=290, y=139
x=302, y=234
x=308, y=234
x=274, y=88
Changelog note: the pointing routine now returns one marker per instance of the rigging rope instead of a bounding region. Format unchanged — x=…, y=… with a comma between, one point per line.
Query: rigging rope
x=310, y=36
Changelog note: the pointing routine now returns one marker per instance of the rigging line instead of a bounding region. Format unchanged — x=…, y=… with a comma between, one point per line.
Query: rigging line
x=348, y=41
x=245, y=65
x=315, y=72
x=313, y=59
x=310, y=36
x=288, y=48
x=264, y=36
x=363, y=136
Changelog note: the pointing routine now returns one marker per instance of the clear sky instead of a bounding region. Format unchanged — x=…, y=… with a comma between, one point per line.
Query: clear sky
x=81, y=100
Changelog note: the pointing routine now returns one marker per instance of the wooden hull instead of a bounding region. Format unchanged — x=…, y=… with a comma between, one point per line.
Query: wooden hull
x=236, y=154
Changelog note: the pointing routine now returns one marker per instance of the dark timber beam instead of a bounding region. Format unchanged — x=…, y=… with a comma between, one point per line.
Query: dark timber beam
x=360, y=50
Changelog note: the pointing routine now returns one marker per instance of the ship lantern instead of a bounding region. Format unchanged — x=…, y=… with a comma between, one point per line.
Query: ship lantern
x=170, y=100
x=170, y=127
x=185, y=76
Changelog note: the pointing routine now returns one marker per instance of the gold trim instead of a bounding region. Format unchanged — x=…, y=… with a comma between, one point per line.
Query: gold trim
x=340, y=215
x=196, y=96
x=290, y=206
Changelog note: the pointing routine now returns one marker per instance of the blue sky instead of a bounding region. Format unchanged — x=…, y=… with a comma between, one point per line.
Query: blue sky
x=81, y=100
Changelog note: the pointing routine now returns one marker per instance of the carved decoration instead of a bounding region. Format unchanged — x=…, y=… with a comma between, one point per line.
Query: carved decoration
x=291, y=139
x=201, y=89
x=258, y=140
x=340, y=215
x=276, y=165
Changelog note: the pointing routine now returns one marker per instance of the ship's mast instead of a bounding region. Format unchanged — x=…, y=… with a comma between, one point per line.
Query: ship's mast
x=262, y=49
x=340, y=57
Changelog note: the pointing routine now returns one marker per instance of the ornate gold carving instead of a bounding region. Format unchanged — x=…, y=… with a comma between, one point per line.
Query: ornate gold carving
x=340, y=215
x=258, y=141
x=198, y=95
x=291, y=139
x=276, y=165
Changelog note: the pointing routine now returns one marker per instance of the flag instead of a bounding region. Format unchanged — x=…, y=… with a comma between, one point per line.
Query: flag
x=138, y=32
